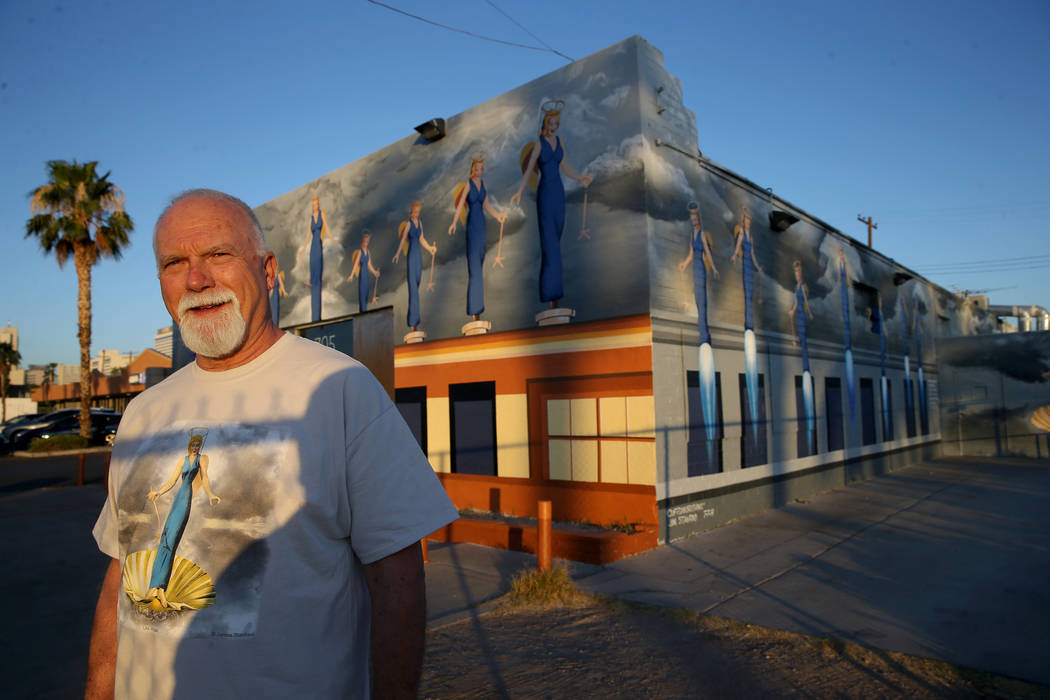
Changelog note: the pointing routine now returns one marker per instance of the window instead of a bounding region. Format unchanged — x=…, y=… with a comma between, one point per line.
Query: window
x=608, y=439
x=753, y=435
x=887, y=410
x=472, y=422
x=909, y=407
x=703, y=456
x=833, y=407
x=867, y=411
x=806, y=433
x=412, y=403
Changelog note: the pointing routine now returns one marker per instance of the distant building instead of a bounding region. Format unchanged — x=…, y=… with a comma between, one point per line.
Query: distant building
x=35, y=375
x=67, y=374
x=162, y=341
x=108, y=360
x=18, y=377
x=9, y=334
x=145, y=370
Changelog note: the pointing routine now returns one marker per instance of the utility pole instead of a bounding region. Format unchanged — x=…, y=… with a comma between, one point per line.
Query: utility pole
x=871, y=224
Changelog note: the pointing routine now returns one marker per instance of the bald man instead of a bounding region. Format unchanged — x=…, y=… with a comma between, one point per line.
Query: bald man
x=291, y=526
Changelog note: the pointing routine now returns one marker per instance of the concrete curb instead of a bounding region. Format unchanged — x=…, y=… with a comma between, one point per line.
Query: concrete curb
x=62, y=453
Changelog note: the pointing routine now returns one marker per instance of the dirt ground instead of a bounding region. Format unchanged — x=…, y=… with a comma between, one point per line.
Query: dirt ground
x=609, y=649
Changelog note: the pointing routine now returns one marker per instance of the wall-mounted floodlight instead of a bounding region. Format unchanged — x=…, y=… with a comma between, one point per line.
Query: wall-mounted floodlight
x=433, y=130
x=781, y=221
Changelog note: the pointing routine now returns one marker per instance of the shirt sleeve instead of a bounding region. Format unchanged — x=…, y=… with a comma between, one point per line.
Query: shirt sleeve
x=107, y=527
x=395, y=497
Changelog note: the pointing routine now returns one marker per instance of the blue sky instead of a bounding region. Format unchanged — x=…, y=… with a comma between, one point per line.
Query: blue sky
x=929, y=116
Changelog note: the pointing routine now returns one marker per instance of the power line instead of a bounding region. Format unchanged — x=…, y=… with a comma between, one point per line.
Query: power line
x=993, y=261
x=971, y=208
x=943, y=273
x=463, y=31
x=500, y=10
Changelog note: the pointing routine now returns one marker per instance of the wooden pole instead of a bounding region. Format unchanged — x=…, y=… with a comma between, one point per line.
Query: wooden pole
x=871, y=225
x=543, y=536
x=80, y=469
x=105, y=473
x=426, y=553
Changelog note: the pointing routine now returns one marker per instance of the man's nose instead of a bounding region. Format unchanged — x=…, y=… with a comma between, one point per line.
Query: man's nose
x=198, y=276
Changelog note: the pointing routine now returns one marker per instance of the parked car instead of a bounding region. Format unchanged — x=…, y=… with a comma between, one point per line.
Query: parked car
x=12, y=423
x=65, y=421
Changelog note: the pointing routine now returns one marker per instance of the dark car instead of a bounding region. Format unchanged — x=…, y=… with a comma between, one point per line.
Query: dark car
x=12, y=423
x=9, y=426
x=65, y=421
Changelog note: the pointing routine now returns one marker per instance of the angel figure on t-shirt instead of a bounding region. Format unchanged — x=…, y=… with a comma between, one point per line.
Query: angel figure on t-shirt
x=158, y=580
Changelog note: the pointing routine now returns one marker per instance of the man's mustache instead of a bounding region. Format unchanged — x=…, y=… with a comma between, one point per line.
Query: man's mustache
x=214, y=297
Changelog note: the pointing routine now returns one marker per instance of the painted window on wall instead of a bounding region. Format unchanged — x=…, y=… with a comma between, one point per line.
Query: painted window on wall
x=703, y=455
x=806, y=431
x=833, y=410
x=606, y=439
x=472, y=423
x=753, y=435
x=412, y=403
x=909, y=407
x=867, y=411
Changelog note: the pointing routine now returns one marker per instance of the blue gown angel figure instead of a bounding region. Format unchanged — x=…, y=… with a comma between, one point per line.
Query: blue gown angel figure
x=276, y=292
x=318, y=234
x=923, y=418
x=745, y=250
x=547, y=155
x=909, y=402
x=877, y=324
x=701, y=256
x=847, y=338
x=361, y=265
x=410, y=239
x=798, y=313
x=192, y=470
x=472, y=197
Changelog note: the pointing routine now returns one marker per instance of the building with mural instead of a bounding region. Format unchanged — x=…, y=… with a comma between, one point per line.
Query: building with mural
x=589, y=311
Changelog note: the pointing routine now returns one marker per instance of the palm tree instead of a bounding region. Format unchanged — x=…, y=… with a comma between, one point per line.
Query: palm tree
x=9, y=357
x=80, y=213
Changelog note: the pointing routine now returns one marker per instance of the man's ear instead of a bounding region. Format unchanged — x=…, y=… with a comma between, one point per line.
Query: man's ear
x=270, y=268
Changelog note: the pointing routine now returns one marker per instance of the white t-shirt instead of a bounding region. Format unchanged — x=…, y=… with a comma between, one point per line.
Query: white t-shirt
x=317, y=475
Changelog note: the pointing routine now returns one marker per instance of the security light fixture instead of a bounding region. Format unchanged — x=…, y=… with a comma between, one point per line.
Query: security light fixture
x=433, y=130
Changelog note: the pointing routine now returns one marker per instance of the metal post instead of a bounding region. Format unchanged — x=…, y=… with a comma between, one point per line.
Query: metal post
x=80, y=469
x=105, y=473
x=543, y=536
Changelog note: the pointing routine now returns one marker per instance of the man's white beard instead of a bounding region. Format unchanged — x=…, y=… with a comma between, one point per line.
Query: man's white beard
x=218, y=336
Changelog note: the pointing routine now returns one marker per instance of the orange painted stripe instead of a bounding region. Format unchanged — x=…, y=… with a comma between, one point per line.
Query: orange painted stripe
x=526, y=337
x=511, y=375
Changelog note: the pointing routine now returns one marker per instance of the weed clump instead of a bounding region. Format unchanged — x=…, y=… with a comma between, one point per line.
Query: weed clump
x=544, y=588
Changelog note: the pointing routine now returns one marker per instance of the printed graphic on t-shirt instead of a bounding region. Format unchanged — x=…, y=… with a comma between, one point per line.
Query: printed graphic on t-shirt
x=195, y=508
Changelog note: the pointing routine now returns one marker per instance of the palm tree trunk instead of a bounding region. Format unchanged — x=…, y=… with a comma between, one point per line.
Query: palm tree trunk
x=82, y=257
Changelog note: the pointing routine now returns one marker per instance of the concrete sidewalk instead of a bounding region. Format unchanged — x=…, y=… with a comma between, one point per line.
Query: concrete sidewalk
x=948, y=559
